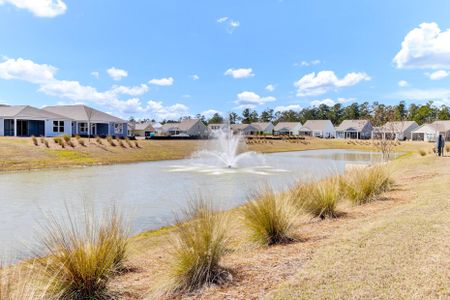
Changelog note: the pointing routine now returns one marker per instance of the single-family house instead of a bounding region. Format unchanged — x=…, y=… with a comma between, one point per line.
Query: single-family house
x=25, y=120
x=244, y=129
x=398, y=130
x=287, y=128
x=263, y=127
x=354, y=129
x=187, y=127
x=90, y=121
x=216, y=127
x=444, y=127
x=426, y=133
x=318, y=128
x=142, y=129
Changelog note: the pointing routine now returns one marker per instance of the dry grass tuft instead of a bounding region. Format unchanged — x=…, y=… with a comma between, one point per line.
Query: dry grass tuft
x=422, y=152
x=200, y=242
x=362, y=185
x=320, y=198
x=270, y=217
x=86, y=256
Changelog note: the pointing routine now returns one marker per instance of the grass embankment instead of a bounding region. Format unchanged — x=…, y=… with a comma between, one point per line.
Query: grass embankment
x=396, y=248
x=23, y=154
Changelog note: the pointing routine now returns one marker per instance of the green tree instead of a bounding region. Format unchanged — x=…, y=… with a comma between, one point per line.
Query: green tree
x=216, y=119
x=267, y=115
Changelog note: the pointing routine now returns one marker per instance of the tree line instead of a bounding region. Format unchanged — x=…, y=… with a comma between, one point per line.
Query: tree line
x=376, y=112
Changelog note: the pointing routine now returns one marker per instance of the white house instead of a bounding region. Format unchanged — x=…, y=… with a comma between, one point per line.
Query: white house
x=287, y=128
x=89, y=121
x=444, y=127
x=187, y=127
x=399, y=130
x=354, y=129
x=318, y=128
x=25, y=120
x=426, y=132
x=144, y=129
x=216, y=127
x=244, y=129
x=263, y=127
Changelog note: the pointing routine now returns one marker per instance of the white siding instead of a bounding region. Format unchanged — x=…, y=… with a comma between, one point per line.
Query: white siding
x=49, y=128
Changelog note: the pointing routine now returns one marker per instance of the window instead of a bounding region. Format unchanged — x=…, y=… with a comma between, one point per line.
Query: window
x=58, y=126
x=118, y=128
x=83, y=127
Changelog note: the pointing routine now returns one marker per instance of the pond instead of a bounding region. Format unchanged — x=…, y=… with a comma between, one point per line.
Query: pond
x=149, y=192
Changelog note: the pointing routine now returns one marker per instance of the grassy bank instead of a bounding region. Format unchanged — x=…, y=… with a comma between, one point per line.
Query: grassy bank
x=392, y=246
x=23, y=154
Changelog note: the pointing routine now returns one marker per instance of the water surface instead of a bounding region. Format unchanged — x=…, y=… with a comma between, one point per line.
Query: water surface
x=150, y=192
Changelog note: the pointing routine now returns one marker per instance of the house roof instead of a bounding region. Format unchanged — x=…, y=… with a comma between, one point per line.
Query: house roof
x=357, y=125
x=184, y=125
x=28, y=112
x=316, y=125
x=83, y=113
x=243, y=127
x=144, y=126
x=261, y=125
x=444, y=125
x=397, y=126
x=428, y=128
x=287, y=125
x=221, y=125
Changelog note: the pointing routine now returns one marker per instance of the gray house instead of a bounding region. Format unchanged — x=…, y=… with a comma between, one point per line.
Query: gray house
x=318, y=128
x=287, y=128
x=244, y=129
x=354, y=129
x=25, y=120
x=264, y=127
x=188, y=128
x=89, y=121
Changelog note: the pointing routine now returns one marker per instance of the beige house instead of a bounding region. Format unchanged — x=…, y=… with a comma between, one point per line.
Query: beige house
x=318, y=128
x=399, y=130
x=287, y=128
x=244, y=129
x=144, y=129
x=186, y=128
x=263, y=127
x=354, y=129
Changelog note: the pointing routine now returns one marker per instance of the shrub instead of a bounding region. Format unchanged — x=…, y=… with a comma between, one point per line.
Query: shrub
x=99, y=140
x=137, y=144
x=270, y=218
x=42, y=139
x=66, y=138
x=364, y=184
x=71, y=144
x=447, y=148
x=127, y=140
x=81, y=142
x=77, y=137
x=57, y=140
x=200, y=243
x=84, y=254
x=110, y=140
x=318, y=198
x=121, y=144
x=422, y=152
x=46, y=144
x=35, y=140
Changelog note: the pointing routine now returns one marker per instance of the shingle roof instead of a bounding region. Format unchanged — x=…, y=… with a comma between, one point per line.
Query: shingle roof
x=143, y=126
x=242, y=126
x=184, y=125
x=317, y=125
x=261, y=125
x=445, y=125
x=287, y=125
x=81, y=113
x=396, y=126
x=26, y=111
x=357, y=125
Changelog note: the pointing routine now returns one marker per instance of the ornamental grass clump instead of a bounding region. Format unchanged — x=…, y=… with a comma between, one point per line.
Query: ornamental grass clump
x=320, y=198
x=422, y=152
x=200, y=243
x=82, y=142
x=110, y=140
x=35, y=140
x=84, y=254
x=66, y=138
x=363, y=185
x=270, y=218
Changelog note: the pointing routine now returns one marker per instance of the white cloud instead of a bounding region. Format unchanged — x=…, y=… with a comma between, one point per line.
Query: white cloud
x=294, y=107
x=425, y=47
x=239, y=73
x=305, y=63
x=438, y=75
x=40, y=8
x=160, y=112
x=270, y=88
x=117, y=74
x=403, y=83
x=230, y=25
x=331, y=102
x=162, y=81
x=313, y=84
x=132, y=91
x=195, y=77
x=27, y=70
x=210, y=112
x=95, y=74
x=248, y=99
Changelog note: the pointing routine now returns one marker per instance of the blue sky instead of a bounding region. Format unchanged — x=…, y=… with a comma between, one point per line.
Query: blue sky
x=165, y=59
